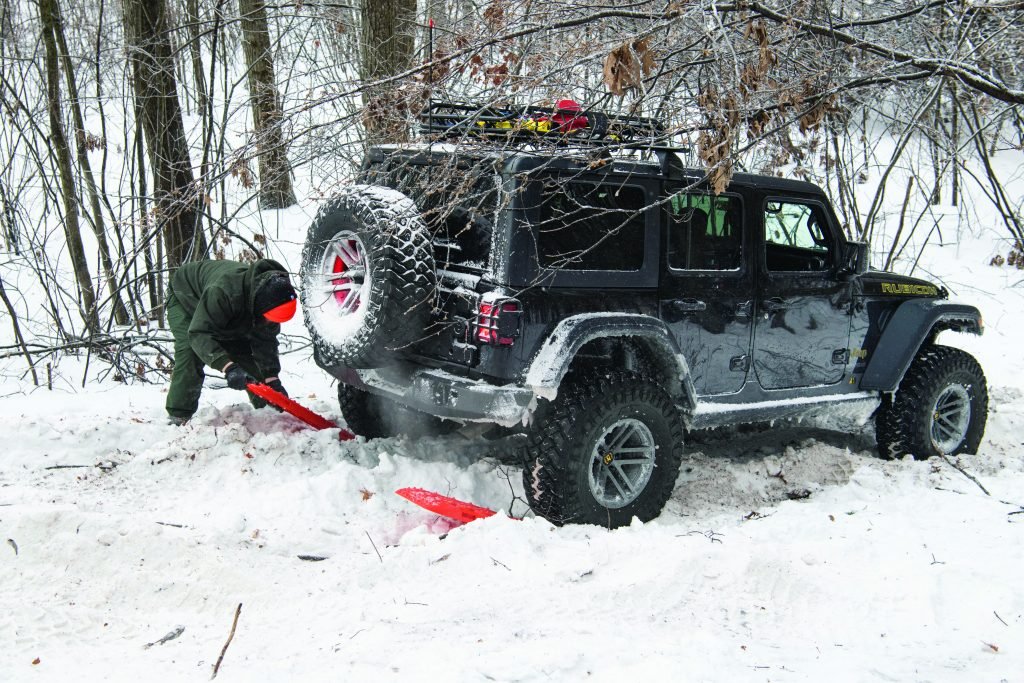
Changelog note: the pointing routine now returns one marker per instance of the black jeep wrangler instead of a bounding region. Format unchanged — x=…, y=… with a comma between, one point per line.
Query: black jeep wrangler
x=582, y=285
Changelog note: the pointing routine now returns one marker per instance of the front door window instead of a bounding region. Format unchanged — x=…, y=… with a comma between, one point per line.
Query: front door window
x=796, y=238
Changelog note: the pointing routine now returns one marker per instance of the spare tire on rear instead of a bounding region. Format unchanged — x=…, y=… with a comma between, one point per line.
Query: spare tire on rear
x=368, y=280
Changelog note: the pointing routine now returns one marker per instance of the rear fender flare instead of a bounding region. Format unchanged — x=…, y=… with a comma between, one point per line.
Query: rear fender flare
x=911, y=325
x=551, y=363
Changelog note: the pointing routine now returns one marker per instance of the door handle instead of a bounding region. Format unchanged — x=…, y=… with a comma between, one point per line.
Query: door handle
x=688, y=305
x=773, y=304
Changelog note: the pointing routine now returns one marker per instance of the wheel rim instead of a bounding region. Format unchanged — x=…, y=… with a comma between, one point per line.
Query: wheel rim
x=621, y=463
x=344, y=272
x=951, y=416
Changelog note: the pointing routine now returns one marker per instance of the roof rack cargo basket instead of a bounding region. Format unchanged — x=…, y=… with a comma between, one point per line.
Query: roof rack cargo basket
x=564, y=123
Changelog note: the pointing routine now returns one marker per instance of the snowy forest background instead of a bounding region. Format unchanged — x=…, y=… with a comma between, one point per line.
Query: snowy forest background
x=138, y=134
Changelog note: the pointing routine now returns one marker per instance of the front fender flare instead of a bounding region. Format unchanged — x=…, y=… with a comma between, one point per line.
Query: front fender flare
x=910, y=326
x=551, y=363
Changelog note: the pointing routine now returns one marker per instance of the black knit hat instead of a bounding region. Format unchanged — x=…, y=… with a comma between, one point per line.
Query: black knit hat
x=272, y=292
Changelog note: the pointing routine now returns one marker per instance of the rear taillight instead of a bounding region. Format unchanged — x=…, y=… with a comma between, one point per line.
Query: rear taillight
x=497, y=322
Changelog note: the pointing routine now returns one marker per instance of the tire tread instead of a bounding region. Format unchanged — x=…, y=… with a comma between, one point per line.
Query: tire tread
x=550, y=472
x=900, y=427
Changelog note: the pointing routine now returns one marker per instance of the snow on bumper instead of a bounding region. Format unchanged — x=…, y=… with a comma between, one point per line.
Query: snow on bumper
x=446, y=395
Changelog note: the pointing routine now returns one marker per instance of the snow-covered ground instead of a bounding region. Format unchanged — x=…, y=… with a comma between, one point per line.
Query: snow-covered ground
x=788, y=553
x=888, y=571
x=122, y=530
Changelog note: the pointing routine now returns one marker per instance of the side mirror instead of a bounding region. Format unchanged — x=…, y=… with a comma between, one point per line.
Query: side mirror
x=854, y=258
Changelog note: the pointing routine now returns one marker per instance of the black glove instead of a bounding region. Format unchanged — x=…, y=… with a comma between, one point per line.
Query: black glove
x=237, y=377
x=276, y=385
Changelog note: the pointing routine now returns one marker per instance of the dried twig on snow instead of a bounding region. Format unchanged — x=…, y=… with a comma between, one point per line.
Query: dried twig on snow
x=712, y=536
x=967, y=474
x=170, y=636
x=234, y=624
x=379, y=556
x=504, y=472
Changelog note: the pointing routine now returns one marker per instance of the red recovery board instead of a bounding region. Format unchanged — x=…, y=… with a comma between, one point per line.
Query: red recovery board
x=451, y=508
x=292, y=408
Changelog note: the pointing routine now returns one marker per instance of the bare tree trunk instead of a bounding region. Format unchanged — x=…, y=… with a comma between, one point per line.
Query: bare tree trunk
x=98, y=226
x=388, y=41
x=175, y=193
x=72, y=229
x=954, y=145
x=7, y=216
x=154, y=277
x=195, y=51
x=17, y=332
x=275, y=172
x=8, y=219
x=202, y=90
x=933, y=146
x=6, y=27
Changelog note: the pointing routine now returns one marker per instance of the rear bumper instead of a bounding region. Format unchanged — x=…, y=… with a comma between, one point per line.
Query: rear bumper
x=445, y=395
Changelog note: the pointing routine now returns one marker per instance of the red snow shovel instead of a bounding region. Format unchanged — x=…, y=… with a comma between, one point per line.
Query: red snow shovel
x=292, y=408
x=459, y=510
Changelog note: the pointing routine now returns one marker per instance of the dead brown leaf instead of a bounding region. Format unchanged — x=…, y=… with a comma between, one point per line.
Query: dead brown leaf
x=757, y=123
x=626, y=65
x=240, y=170
x=675, y=8
x=367, y=495
x=494, y=15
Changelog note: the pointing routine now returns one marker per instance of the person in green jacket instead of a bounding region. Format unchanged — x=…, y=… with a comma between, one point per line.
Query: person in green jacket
x=227, y=315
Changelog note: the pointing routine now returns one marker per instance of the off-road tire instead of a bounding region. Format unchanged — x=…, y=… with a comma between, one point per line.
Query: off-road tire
x=376, y=417
x=402, y=280
x=556, y=473
x=903, y=424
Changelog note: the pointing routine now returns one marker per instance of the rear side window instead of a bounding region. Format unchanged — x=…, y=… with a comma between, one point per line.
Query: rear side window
x=584, y=226
x=705, y=232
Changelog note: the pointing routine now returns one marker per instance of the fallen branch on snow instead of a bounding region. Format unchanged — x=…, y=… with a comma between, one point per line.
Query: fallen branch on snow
x=966, y=474
x=379, y=556
x=169, y=637
x=234, y=624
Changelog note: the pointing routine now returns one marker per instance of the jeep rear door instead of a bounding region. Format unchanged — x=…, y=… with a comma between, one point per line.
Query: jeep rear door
x=706, y=292
x=802, y=328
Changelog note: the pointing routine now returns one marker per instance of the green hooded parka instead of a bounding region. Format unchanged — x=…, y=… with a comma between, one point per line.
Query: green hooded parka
x=210, y=313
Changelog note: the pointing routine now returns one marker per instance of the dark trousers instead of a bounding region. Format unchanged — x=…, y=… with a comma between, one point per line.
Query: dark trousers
x=187, y=375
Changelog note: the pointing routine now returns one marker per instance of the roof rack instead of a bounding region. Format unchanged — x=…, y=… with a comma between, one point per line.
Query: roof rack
x=564, y=123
